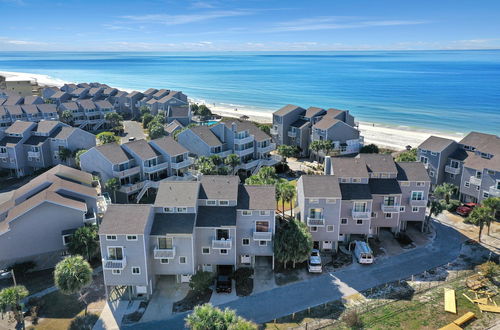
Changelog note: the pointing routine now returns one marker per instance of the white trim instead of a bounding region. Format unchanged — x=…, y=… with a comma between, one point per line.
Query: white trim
x=260, y=243
x=246, y=213
x=205, y=247
x=63, y=236
x=116, y=271
x=131, y=238
x=346, y=221
x=227, y=252
x=243, y=243
x=357, y=222
x=136, y=267
x=264, y=213
x=185, y=260
x=111, y=238
x=164, y=263
x=226, y=202
x=330, y=231
x=415, y=209
x=211, y=202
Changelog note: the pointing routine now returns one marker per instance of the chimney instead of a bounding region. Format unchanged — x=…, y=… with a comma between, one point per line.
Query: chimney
x=328, y=165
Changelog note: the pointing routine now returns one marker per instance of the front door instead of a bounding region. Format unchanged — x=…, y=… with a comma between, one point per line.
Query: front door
x=316, y=245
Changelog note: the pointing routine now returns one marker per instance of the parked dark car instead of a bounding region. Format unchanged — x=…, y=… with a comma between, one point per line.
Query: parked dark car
x=223, y=284
x=466, y=209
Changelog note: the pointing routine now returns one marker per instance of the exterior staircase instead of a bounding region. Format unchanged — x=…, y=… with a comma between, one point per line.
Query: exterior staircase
x=98, y=124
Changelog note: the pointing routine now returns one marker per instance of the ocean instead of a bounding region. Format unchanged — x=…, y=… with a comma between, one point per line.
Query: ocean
x=447, y=91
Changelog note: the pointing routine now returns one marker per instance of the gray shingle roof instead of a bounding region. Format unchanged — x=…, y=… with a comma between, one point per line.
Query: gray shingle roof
x=313, y=111
x=177, y=193
x=355, y=191
x=123, y=219
x=435, y=143
x=9, y=141
x=104, y=104
x=30, y=109
x=65, y=132
x=220, y=187
x=173, y=223
x=35, y=140
x=379, y=163
x=179, y=111
x=384, y=186
x=114, y=153
x=326, y=122
x=14, y=109
x=19, y=127
x=256, y=197
x=287, y=109
x=412, y=171
x=483, y=142
x=87, y=104
x=32, y=99
x=325, y=186
x=216, y=216
x=242, y=125
x=46, y=126
x=71, y=106
x=477, y=162
x=170, y=146
x=299, y=123
x=142, y=149
x=349, y=167
x=47, y=108
x=205, y=134
x=171, y=127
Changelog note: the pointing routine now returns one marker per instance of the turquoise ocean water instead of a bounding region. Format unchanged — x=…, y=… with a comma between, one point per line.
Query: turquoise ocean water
x=450, y=91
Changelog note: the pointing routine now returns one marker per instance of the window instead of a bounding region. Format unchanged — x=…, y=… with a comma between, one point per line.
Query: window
x=313, y=200
x=331, y=201
x=211, y=202
x=344, y=180
x=497, y=185
x=467, y=184
x=262, y=243
x=423, y=151
x=433, y=153
x=415, y=209
x=262, y=226
x=246, y=212
x=478, y=188
x=66, y=239
x=478, y=174
x=110, y=237
x=389, y=200
x=205, y=250
x=223, y=251
x=359, y=207
x=222, y=234
x=116, y=271
x=423, y=159
x=164, y=261
x=401, y=209
x=374, y=214
x=417, y=195
x=388, y=215
x=223, y=203
x=136, y=271
x=420, y=183
x=131, y=237
x=245, y=241
x=384, y=175
x=486, y=194
x=182, y=260
x=165, y=243
x=405, y=183
x=454, y=164
x=329, y=228
x=168, y=209
x=115, y=253
x=452, y=176
x=316, y=213
x=264, y=213
x=343, y=221
x=431, y=174
x=182, y=210
x=359, y=222
x=314, y=229
x=356, y=180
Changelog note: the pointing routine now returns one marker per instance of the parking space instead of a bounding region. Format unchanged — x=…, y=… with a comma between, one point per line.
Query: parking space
x=167, y=292
x=222, y=298
x=263, y=278
x=132, y=129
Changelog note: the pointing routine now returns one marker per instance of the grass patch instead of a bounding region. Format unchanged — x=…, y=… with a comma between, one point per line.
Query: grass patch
x=33, y=281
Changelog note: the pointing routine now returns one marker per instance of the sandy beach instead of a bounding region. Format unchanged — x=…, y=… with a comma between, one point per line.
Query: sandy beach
x=394, y=137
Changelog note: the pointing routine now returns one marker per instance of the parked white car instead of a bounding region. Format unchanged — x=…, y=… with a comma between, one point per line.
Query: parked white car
x=314, y=264
x=363, y=252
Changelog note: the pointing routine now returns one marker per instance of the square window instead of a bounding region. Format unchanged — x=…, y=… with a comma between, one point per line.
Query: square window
x=263, y=243
x=343, y=221
x=414, y=209
x=314, y=229
x=431, y=174
x=168, y=209
x=420, y=183
x=388, y=215
x=402, y=209
x=478, y=188
x=66, y=239
x=245, y=241
x=136, y=270
x=211, y=202
x=181, y=209
x=131, y=237
x=486, y=194
x=467, y=184
x=246, y=212
x=111, y=238
x=223, y=203
x=329, y=228
x=359, y=222
x=182, y=260
x=374, y=214
x=116, y=271
x=164, y=261
x=223, y=251
x=205, y=250
x=264, y=213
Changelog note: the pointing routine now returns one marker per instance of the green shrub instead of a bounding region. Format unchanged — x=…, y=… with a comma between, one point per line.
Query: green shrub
x=453, y=205
x=84, y=322
x=201, y=281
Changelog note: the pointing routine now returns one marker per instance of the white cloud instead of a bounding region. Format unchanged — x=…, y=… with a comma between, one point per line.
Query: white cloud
x=21, y=42
x=202, y=5
x=186, y=18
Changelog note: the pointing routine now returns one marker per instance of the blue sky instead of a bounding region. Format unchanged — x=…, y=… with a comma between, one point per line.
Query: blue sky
x=250, y=25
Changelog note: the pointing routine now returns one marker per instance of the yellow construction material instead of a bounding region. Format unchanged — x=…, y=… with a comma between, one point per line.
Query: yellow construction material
x=489, y=308
x=483, y=301
x=450, y=304
x=466, y=296
x=464, y=318
x=451, y=326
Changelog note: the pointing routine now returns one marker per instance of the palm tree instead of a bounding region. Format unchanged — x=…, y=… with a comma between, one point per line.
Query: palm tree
x=67, y=117
x=208, y=317
x=479, y=217
x=232, y=161
x=326, y=146
x=85, y=241
x=216, y=159
x=72, y=275
x=285, y=151
x=288, y=195
x=316, y=147
x=113, y=185
x=446, y=190
x=435, y=209
x=493, y=204
x=10, y=298
x=64, y=154
x=280, y=195
x=78, y=154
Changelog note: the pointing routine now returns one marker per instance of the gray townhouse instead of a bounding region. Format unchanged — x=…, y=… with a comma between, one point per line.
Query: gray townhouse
x=68, y=88
x=47, y=92
x=472, y=164
x=242, y=138
x=120, y=102
x=47, y=210
x=138, y=165
x=296, y=126
x=33, y=99
x=48, y=111
x=214, y=225
x=173, y=126
x=58, y=97
x=79, y=93
x=32, y=146
x=358, y=197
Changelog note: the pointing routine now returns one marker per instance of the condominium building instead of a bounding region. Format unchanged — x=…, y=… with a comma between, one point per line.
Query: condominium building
x=46, y=211
x=30, y=146
x=472, y=164
x=214, y=225
x=358, y=197
x=138, y=165
x=33, y=112
x=296, y=126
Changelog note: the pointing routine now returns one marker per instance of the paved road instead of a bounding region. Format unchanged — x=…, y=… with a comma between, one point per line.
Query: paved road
x=282, y=301
x=132, y=129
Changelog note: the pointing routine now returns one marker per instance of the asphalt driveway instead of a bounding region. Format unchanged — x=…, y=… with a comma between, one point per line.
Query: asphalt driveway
x=284, y=300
